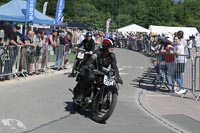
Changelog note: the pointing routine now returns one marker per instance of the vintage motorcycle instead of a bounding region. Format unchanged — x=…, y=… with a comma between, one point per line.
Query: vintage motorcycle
x=81, y=56
x=98, y=95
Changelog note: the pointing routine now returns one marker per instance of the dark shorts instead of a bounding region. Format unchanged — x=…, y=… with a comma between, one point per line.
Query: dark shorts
x=30, y=57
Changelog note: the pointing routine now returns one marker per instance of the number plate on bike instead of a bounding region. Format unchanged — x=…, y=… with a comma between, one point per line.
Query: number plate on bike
x=108, y=81
x=80, y=55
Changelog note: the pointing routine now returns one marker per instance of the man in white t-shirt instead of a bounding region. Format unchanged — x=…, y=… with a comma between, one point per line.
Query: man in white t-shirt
x=180, y=65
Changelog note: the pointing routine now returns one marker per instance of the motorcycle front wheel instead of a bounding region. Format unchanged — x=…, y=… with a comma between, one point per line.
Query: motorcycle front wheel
x=103, y=107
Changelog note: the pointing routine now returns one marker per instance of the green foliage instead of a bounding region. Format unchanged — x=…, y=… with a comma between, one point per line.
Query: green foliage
x=142, y=12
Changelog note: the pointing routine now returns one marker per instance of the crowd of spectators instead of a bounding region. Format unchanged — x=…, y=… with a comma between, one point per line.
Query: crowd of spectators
x=35, y=45
x=171, y=51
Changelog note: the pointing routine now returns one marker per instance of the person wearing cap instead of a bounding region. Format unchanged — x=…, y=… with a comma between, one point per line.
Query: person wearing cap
x=170, y=61
x=14, y=41
x=13, y=37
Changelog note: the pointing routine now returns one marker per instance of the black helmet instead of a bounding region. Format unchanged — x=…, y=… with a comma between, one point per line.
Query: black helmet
x=88, y=34
x=107, y=43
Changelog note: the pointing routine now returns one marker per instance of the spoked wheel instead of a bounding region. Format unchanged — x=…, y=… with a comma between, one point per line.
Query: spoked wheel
x=104, y=108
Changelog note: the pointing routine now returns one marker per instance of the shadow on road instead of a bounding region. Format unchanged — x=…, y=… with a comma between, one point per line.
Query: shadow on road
x=148, y=81
x=87, y=113
x=70, y=108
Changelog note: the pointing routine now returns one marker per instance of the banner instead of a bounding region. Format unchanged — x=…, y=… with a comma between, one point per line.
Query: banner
x=62, y=19
x=30, y=9
x=45, y=8
x=59, y=10
x=108, y=25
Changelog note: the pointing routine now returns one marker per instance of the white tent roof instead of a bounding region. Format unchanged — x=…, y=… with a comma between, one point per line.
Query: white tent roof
x=132, y=28
x=188, y=31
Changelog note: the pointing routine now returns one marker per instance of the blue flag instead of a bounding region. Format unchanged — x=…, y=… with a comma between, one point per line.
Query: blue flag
x=30, y=8
x=59, y=10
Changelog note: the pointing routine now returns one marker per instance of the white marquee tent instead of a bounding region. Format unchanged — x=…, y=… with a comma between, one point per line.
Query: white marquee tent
x=188, y=31
x=133, y=28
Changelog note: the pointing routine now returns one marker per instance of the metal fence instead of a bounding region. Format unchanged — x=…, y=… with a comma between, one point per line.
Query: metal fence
x=16, y=61
x=178, y=71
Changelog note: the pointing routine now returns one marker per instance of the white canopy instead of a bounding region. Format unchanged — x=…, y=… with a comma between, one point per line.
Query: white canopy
x=188, y=31
x=133, y=28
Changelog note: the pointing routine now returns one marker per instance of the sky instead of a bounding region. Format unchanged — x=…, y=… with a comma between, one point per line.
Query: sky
x=178, y=0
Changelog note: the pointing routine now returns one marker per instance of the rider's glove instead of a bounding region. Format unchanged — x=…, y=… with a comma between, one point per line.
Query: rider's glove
x=119, y=80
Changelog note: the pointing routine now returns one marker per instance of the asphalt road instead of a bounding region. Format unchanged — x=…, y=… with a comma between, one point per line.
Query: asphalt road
x=43, y=104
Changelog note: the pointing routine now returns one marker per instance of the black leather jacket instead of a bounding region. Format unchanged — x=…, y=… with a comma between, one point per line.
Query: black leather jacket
x=88, y=45
x=104, y=60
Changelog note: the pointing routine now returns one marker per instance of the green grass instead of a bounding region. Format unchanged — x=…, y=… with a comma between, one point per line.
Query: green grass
x=70, y=57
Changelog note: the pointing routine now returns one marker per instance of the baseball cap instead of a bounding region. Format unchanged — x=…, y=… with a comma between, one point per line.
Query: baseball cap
x=17, y=26
x=54, y=30
x=169, y=38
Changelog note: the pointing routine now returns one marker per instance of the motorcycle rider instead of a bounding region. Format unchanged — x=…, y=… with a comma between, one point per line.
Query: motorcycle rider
x=89, y=45
x=105, y=58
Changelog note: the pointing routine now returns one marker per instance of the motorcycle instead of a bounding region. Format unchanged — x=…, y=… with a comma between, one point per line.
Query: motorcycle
x=100, y=96
x=79, y=59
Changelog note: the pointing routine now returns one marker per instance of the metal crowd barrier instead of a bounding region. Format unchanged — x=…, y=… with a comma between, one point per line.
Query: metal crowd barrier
x=14, y=63
x=56, y=57
x=9, y=61
x=5, y=62
x=197, y=76
x=176, y=71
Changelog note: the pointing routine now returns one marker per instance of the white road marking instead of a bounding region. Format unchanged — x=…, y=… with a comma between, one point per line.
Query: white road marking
x=127, y=66
x=123, y=73
x=13, y=124
x=158, y=95
x=121, y=68
x=140, y=67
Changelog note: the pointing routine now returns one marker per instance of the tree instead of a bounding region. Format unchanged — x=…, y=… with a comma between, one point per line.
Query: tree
x=142, y=12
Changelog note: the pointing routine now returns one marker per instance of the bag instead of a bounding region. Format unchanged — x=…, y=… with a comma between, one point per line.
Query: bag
x=180, y=67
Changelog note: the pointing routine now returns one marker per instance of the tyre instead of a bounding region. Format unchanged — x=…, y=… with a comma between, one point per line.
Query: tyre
x=103, y=110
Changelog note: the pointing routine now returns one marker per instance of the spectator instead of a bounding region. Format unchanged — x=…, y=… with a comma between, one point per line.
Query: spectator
x=197, y=43
x=38, y=40
x=180, y=65
x=170, y=62
x=66, y=40
x=97, y=41
x=75, y=36
x=30, y=50
x=52, y=38
x=189, y=45
x=14, y=41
